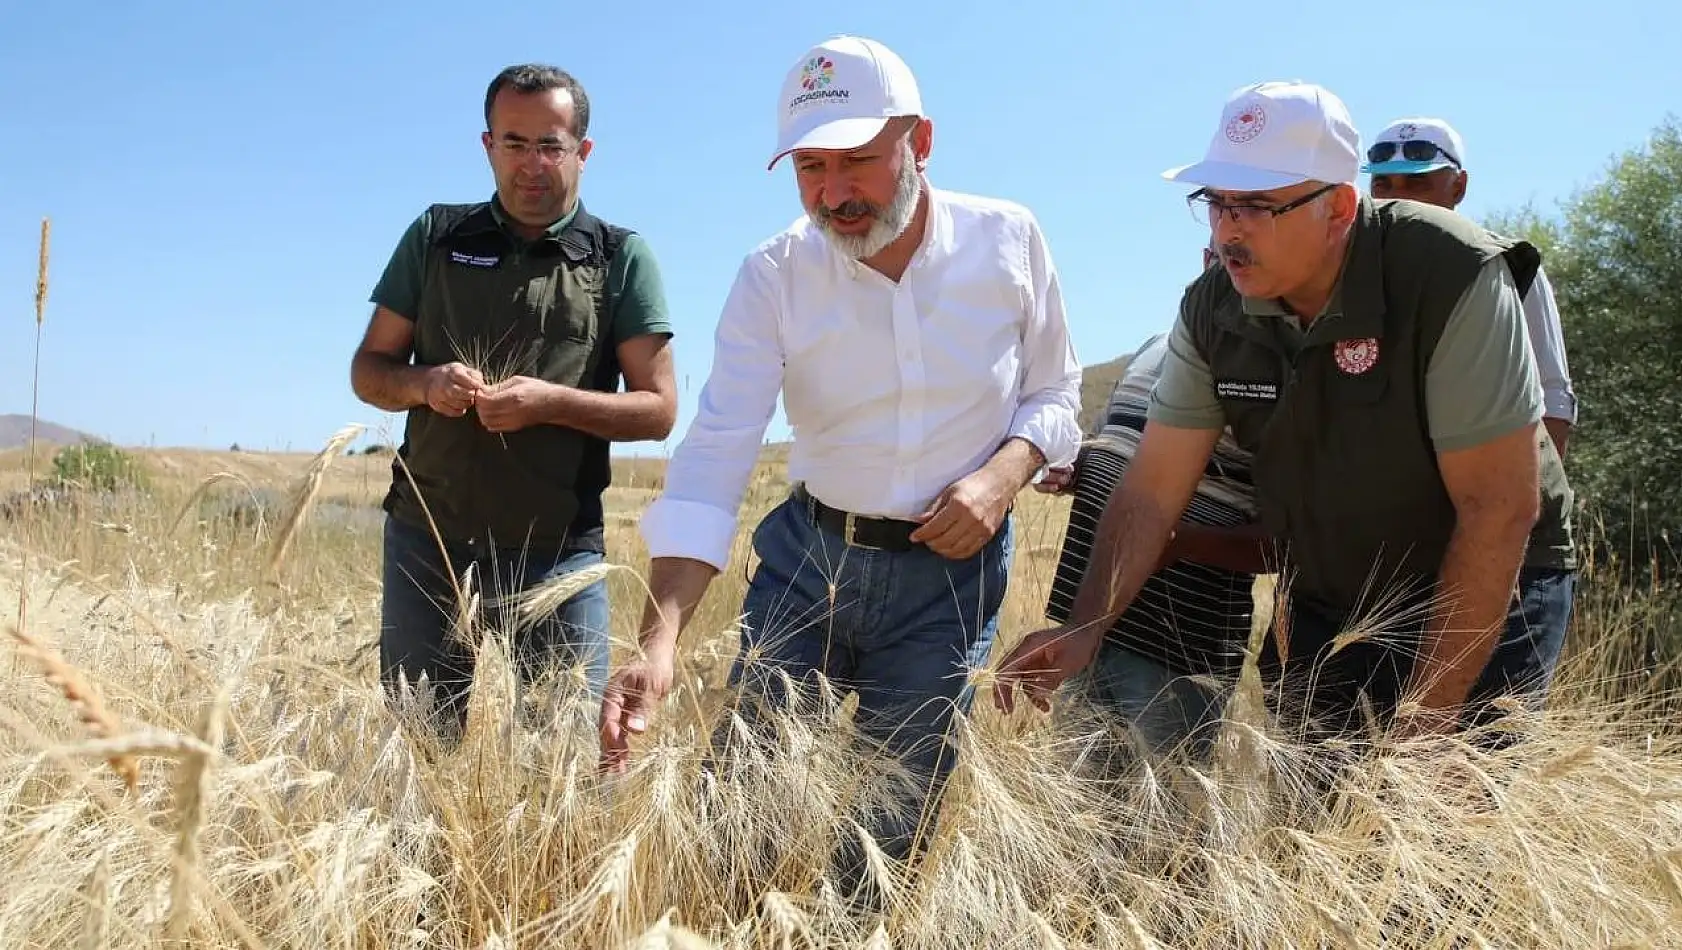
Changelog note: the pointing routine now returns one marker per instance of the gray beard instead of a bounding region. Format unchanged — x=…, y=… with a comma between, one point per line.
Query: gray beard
x=890, y=222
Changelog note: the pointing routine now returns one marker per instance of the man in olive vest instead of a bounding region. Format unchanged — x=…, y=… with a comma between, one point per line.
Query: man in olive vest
x=502, y=329
x=1372, y=357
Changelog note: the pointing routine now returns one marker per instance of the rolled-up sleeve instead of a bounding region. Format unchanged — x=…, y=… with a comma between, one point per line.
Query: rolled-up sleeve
x=695, y=516
x=1048, y=411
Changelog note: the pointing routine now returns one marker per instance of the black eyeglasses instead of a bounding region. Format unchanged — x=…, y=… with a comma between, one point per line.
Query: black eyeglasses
x=1208, y=209
x=1414, y=150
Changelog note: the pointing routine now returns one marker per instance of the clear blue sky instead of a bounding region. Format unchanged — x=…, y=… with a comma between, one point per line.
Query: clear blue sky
x=226, y=180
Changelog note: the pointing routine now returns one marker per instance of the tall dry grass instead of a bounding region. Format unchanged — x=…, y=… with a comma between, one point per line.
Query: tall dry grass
x=280, y=802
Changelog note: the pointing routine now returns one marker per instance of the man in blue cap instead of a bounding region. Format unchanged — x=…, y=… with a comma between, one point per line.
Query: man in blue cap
x=1424, y=159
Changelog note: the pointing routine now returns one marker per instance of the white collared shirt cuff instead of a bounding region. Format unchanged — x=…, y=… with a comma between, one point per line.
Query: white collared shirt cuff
x=1052, y=429
x=1560, y=405
x=672, y=527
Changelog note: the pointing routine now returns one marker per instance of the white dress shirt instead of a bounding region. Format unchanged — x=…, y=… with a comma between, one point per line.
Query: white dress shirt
x=1547, y=342
x=893, y=391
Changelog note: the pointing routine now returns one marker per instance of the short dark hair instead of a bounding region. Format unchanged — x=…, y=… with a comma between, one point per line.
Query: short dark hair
x=538, y=77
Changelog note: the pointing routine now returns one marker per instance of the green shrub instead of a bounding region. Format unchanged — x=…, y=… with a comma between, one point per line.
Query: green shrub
x=96, y=466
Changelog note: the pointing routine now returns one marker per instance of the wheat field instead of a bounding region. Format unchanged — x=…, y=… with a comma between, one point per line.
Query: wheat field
x=194, y=753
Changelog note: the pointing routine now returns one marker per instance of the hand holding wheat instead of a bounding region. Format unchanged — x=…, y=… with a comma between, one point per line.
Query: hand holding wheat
x=452, y=389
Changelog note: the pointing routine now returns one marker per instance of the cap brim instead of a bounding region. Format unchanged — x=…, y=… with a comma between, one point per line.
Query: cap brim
x=1226, y=176
x=837, y=134
x=1405, y=167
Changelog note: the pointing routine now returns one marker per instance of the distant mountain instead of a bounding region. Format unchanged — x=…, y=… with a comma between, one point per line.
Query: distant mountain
x=14, y=433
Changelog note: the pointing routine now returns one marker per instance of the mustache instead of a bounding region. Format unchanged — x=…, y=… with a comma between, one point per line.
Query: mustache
x=1236, y=254
x=854, y=208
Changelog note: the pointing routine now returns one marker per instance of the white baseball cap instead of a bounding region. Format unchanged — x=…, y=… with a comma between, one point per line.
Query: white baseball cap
x=1450, y=151
x=840, y=94
x=1277, y=134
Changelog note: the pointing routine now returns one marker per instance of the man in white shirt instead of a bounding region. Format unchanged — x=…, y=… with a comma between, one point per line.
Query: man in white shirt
x=1424, y=159
x=917, y=338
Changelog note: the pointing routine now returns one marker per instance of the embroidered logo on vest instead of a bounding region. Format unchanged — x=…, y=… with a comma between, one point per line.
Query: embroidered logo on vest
x=1356, y=356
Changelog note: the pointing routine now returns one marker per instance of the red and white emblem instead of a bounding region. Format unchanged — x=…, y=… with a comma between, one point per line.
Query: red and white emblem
x=1246, y=124
x=1356, y=356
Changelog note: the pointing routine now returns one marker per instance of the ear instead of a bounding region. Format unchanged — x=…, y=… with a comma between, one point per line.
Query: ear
x=1460, y=181
x=584, y=149
x=485, y=140
x=922, y=141
x=1344, y=205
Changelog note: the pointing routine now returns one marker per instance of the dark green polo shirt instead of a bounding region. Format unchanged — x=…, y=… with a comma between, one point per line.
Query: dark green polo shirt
x=635, y=306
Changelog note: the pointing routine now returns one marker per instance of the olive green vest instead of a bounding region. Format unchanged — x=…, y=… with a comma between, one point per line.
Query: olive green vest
x=512, y=308
x=1345, y=472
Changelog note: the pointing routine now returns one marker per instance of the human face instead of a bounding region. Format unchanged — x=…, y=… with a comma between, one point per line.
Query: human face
x=1274, y=243
x=535, y=158
x=1443, y=187
x=864, y=198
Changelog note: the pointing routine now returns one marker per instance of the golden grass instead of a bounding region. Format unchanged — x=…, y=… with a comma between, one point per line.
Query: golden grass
x=280, y=802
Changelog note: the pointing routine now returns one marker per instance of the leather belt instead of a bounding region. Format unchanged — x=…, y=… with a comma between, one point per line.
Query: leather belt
x=859, y=531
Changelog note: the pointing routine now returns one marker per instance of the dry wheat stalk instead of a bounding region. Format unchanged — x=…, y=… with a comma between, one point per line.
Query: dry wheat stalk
x=83, y=698
x=193, y=791
x=34, y=408
x=304, y=492
x=203, y=487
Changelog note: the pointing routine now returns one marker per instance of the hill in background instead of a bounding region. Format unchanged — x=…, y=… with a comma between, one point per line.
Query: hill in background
x=14, y=433
x=1096, y=381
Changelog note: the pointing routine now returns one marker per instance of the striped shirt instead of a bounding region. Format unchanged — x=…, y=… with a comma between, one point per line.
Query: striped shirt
x=1192, y=618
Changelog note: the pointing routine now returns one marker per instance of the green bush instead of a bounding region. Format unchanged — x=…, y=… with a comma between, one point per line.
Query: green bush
x=96, y=466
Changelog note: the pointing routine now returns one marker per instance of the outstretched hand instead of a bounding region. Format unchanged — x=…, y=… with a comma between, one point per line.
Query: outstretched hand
x=628, y=704
x=1042, y=662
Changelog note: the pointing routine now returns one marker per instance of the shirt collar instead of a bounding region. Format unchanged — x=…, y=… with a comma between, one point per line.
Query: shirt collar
x=552, y=232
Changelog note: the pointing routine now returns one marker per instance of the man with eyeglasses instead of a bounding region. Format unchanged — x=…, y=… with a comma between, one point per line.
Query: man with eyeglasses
x=1424, y=159
x=502, y=329
x=1371, y=356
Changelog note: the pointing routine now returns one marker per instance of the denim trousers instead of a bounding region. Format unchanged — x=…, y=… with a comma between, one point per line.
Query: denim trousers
x=1322, y=690
x=418, y=609
x=1325, y=689
x=902, y=630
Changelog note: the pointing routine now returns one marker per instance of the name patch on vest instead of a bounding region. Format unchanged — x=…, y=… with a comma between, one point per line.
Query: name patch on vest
x=1247, y=390
x=475, y=260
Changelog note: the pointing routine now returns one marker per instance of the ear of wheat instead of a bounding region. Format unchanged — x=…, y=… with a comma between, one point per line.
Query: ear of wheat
x=90, y=709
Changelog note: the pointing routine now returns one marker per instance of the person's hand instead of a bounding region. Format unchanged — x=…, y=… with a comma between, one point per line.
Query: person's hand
x=964, y=517
x=1058, y=480
x=629, y=701
x=514, y=404
x=1042, y=662
x=452, y=388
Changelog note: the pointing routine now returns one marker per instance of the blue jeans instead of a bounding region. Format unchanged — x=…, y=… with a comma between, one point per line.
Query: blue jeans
x=1326, y=686
x=1166, y=712
x=1169, y=712
x=903, y=631
x=417, y=610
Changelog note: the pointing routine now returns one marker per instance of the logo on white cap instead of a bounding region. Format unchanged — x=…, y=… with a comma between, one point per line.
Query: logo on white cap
x=1276, y=134
x=1246, y=125
x=1451, y=154
x=840, y=94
